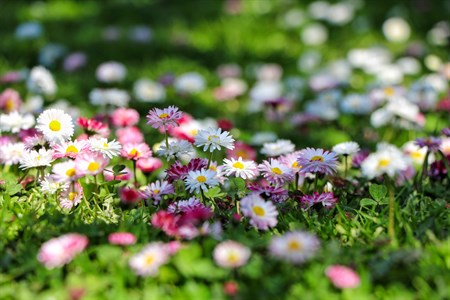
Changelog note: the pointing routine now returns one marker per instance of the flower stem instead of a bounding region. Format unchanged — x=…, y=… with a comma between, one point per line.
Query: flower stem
x=391, y=216
x=345, y=166
x=209, y=160
x=134, y=172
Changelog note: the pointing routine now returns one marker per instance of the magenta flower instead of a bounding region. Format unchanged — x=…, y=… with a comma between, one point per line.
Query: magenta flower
x=125, y=117
x=148, y=165
x=432, y=143
x=342, y=277
x=59, y=251
x=156, y=190
x=164, y=117
x=326, y=199
x=122, y=238
x=135, y=151
x=317, y=161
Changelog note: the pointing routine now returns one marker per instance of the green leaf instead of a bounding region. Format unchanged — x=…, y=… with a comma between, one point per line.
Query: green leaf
x=14, y=189
x=378, y=192
x=368, y=202
x=215, y=192
x=118, y=168
x=88, y=188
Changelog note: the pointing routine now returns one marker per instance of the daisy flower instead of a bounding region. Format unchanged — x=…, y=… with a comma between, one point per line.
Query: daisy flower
x=230, y=254
x=111, y=72
x=10, y=100
x=387, y=160
x=346, y=148
x=290, y=160
x=185, y=205
x=59, y=251
x=213, y=139
x=275, y=172
x=317, y=161
x=122, y=238
x=40, y=81
x=342, y=277
x=71, y=197
x=432, y=143
x=157, y=189
x=11, y=153
x=69, y=149
x=296, y=246
x=125, y=117
x=276, y=193
x=148, y=165
x=164, y=117
x=416, y=153
x=55, y=125
x=50, y=185
x=148, y=261
x=277, y=148
x=34, y=159
x=201, y=179
x=93, y=127
x=34, y=141
x=135, y=151
x=90, y=163
x=327, y=199
x=177, y=149
x=14, y=122
x=101, y=145
x=65, y=171
x=243, y=150
x=239, y=168
x=263, y=214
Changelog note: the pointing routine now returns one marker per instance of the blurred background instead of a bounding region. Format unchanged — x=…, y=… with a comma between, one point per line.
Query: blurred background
x=158, y=40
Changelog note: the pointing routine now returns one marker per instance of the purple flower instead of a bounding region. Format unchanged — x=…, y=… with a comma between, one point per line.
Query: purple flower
x=446, y=131
x=275, y=193
x=359, y=157
x=275, y=172
x=164, y=117
x=317, y=161
x=432, y=143
x=327, y=199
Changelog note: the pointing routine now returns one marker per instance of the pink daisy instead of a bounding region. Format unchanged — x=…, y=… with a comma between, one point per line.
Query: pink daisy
x=326, y=199
x=59, y=251
x=10, y=100
x=122, y=238
x=93, y=127
x=90, y=163
x=70, y=149
x=148, y=165
x=262, y=214
x=129, y=135
x=276, y=172
x=135, y=151
x=71, y=197
x=317, y=161
x=164, y=117
x=124, y=117
x=342, y=277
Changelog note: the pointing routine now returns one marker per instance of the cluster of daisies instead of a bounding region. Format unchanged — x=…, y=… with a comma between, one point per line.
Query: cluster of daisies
x=62, y=163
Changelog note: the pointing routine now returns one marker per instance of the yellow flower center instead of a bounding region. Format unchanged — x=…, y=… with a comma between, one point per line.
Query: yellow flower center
x=134, y=152
x=384, y=163
x=233, y=258
x=72, y=149
x=317, y=158
x=9, y=105
x=294, y=246
x=93, y=166
x=201, y=178
x=389, y=91
x=105, y=145
x=163, y=116
x=72, y=196
x=416, y=154
x=71, y=172
x=149, y=260
x=213, y=168
x=277, y=171
x=259, y=211
x=156, y=192
x=213, y=137
x=54, y=125
x=238, y=165
x=295, y=164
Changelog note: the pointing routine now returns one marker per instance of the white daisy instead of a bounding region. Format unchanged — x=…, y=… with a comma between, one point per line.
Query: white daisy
x=70, y=148
x=111, y=72
x=346, y=148
x=245, y=169
x=101, y=145
x=40, y=81
x=231, y=254
x=263, y=214
x=213, y=139
x=148, y=261
x=202, y=179
x=278, y=148
x=177, y=149
x=416, y=153
x=50, y=186
x=71, y=197
x=55, y=125
x=14, y=122
x=65, y=171
x=387, y=160
x=295, y=247
x=34, y=159
x=11, y=153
